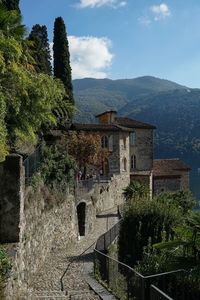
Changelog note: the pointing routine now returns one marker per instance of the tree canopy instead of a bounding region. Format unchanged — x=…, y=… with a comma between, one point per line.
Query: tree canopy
x=40, y=49
x=86, y=149
x=11, y=5
x=27, y=99
x=62, y=69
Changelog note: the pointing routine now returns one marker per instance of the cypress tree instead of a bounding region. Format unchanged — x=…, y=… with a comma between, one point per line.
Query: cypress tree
x=40, y=49
x=12, y=5
x=62, y=69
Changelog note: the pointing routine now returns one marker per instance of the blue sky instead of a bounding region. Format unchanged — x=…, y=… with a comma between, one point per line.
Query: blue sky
x=126, y=38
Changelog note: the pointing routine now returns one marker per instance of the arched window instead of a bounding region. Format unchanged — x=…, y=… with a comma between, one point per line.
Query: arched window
x=133, y=162
x=104, y=141
x=124, y=164
x=133, y=138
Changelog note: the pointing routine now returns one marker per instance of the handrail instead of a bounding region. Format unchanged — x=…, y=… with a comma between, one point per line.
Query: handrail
x=119, y=262
x=69, y=264
x=103, y=245
x=160, y=292
x=136, y=272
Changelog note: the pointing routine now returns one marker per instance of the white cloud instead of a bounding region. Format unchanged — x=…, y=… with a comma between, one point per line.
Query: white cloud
x=161, y=11
x=89, y=56
x=144, y=20
x=99, y=3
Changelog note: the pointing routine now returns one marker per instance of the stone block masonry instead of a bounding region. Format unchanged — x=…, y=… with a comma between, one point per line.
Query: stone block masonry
x=40, y=219
x=45, y=220
x=35, y=219
x=11, y=194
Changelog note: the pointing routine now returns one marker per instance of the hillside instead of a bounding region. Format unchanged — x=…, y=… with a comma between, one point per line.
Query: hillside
x=96, y=95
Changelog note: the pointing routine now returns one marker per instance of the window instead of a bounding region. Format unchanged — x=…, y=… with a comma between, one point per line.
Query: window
x=132, y=138
x=111, y=143
x=124, y=143
x=133, y=162
x=104, y=142
x=124, y=164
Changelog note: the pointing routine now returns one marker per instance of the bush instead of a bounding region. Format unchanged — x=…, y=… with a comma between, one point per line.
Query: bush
x=57, y=167
x=5, y=264
x=145, y=221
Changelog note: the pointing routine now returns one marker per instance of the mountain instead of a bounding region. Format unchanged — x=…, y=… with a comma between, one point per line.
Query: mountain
x=96, y=95
x=174, y=109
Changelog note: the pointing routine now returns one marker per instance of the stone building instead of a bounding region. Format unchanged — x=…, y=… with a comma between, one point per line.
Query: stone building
x=170, y=175
x=130, y=145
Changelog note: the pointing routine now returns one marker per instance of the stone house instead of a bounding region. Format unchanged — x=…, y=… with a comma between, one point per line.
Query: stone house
x=130, y=144
x=170, y=175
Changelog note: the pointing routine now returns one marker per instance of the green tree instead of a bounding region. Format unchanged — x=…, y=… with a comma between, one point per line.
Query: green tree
x=10, y=24
x=62, y=69
x=40, y=49
x=145, y=222
x=135, y=190
x=182, y=199
x=27, y=99
x=11, y=5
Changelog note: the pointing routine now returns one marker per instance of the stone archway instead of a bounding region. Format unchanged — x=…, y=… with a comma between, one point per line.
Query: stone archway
x=81, y=214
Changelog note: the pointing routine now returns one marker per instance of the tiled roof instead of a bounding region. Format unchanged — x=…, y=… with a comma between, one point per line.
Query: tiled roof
x=98, y=127
x=169, y=167
x=105, y=112
x=133, y=123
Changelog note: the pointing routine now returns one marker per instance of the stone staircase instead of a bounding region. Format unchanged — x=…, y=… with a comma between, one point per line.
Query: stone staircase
x=46, y=284
x=58, y=295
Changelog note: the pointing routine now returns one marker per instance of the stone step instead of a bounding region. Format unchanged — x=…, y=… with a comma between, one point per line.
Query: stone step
x=71, y=295
x=49, y=295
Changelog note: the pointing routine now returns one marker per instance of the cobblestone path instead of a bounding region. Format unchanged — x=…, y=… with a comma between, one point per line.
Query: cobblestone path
x=46, y=284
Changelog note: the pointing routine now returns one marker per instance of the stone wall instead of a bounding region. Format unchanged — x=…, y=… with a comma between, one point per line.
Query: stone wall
x=41, y=217
x=114, y=161
x=110, y=194
x=11, y=194
x=161, y=185
x=185, y=178
x=143, y=149
x=35, y=219
x=44, y=219
x=124, y=153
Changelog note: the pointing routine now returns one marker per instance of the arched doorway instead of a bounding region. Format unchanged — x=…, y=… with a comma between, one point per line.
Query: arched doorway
x=81, y=212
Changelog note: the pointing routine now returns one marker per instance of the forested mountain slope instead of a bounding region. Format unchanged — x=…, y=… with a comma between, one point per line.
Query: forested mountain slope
x=96, y=95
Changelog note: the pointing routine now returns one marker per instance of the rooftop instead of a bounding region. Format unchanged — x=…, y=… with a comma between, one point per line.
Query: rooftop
x=130, y=123
x=105, y=112
x=98, y=127
x=169, y=167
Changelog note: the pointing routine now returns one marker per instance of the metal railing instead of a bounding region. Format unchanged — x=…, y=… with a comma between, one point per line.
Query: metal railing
x=126, y=283
x=157, y=294
x=105, y=240
x=31, y=164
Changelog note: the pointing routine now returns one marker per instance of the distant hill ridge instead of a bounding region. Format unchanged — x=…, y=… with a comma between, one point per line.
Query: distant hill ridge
x=94, y=96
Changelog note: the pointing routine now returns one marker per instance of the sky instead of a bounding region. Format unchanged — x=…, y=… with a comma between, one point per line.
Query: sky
x=126, y=38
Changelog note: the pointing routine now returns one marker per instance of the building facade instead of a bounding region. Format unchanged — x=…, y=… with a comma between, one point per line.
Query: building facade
x=130, y=145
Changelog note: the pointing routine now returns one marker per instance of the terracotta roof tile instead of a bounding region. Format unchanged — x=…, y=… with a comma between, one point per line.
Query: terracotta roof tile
x=133, y=123
x=98, y=127
x=169, y=167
